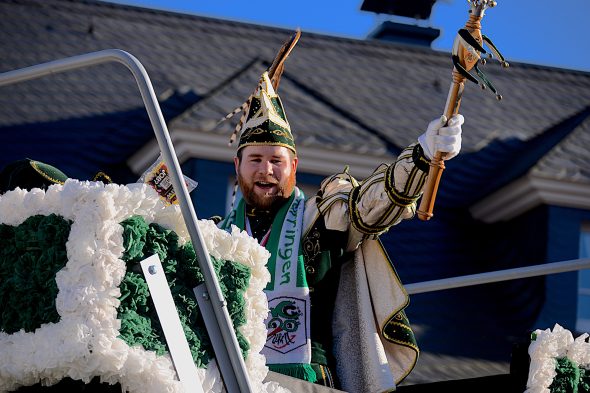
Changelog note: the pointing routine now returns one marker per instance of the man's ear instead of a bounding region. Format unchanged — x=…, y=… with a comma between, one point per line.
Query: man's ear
x=236, y=164
x=294, y=164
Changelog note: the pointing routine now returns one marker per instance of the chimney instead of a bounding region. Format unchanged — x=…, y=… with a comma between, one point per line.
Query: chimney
x=405, y=33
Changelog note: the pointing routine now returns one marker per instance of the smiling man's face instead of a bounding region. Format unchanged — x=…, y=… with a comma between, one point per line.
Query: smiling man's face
x=266, y=174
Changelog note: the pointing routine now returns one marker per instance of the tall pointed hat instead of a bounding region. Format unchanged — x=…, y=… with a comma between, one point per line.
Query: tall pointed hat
x=266, y=122
x=263, y=120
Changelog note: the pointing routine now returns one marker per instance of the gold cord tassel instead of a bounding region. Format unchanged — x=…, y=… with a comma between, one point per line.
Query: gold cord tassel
x=242, y=108
x=233, y=196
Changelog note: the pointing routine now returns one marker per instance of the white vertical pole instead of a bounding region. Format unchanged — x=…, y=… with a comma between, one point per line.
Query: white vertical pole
x=170, y=321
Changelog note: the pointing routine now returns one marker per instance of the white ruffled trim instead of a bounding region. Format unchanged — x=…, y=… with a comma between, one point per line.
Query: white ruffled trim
x=544, y=351
x=85, y=343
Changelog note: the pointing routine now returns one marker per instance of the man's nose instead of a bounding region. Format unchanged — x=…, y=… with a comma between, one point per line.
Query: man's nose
x=265, y=167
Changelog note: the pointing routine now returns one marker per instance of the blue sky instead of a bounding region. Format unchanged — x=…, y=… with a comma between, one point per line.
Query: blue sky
x=552, y=33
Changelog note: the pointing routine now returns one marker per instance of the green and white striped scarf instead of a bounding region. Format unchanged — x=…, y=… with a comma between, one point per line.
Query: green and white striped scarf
x=288, y=343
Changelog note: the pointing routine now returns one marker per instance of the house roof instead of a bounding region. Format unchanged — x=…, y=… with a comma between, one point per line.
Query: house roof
x=567, y=159
x=335, y=89
x=346, y=97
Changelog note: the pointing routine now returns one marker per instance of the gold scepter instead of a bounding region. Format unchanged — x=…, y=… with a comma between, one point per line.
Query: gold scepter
x=466, y=54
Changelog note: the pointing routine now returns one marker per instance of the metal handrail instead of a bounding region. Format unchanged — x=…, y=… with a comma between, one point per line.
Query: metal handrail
x=235, y=377
x=499, y=275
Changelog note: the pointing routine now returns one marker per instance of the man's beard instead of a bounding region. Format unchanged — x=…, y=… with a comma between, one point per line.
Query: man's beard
x=267, y=202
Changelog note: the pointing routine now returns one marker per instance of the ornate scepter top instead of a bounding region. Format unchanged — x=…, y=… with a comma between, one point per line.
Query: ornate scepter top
x=468, y=47
x=478, y=7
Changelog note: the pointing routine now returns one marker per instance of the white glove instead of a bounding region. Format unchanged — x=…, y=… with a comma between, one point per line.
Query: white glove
x=438, y=137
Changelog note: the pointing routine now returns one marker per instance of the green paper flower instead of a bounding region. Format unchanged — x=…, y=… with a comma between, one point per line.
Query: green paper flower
x=139, y=320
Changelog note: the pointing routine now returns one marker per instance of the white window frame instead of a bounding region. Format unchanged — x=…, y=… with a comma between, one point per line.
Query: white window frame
x=583, y=313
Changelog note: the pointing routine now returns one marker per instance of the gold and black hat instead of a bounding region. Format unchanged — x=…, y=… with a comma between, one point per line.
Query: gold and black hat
x=28, y=174
x=266, y=122
x=263, y=121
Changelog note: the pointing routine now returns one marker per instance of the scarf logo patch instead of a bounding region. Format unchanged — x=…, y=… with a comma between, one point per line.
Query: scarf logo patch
x=285, y=324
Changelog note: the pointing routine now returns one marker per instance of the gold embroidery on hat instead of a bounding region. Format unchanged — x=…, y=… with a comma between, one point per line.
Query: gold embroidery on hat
x=290, y=147
x=259, y=131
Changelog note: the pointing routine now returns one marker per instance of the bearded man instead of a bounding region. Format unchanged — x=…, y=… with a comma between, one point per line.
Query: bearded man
x=336, y=305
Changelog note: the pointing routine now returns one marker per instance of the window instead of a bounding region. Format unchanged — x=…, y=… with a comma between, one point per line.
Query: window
x=583, y=319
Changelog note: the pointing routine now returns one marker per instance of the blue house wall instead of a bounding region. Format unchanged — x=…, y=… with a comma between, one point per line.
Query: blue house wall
x=563, y=242
x=212, y=176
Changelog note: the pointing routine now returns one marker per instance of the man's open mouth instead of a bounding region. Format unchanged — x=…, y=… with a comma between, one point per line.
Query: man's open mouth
x=266, y=186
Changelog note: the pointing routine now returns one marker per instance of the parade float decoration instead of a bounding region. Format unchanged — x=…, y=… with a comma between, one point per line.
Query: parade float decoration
x=76, y=305
x=558, y=362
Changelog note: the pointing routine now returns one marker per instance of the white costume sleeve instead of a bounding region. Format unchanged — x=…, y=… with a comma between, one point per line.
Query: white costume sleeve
x=369, y=208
